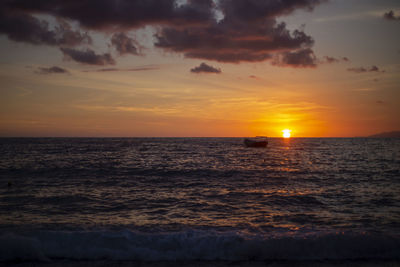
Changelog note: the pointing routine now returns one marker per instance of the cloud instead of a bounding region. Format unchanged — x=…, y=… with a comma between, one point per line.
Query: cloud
x=87, y=57
x=203, y=67
x=365, y=89
x=242, y=30
x=255, y=10
x=329, y=60
x=390, y=16
x=143, y=68
x=362, y=69
x=26, y=28
x=374, y=68
x=119, y=14
x=231, y=42
x=124, y=44
x=303, y=58
x=52, y=70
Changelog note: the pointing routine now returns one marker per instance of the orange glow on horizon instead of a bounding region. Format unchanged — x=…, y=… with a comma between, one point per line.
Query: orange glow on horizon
x=286, y=133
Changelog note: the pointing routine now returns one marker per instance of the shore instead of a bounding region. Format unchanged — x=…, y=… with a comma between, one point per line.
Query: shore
x=106, y=263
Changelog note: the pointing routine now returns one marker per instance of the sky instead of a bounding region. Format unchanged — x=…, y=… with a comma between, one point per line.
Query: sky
x=199, y=68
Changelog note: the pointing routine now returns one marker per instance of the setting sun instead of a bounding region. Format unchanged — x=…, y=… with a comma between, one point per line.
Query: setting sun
x=286, y=133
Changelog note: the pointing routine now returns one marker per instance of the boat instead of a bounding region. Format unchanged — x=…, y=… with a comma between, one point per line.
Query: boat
x=259, y=141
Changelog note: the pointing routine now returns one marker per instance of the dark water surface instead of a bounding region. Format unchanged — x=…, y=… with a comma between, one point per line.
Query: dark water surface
x=199, y=199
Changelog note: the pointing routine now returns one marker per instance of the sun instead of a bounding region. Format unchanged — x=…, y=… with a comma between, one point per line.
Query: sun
x=286, y=133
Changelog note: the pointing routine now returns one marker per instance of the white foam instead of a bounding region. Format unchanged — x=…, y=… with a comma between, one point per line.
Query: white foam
x=193, y=245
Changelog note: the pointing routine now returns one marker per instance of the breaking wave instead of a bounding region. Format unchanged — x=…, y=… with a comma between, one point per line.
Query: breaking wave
x=193, y=245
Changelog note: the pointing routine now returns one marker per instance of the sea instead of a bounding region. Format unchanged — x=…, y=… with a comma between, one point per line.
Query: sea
x=188, y=200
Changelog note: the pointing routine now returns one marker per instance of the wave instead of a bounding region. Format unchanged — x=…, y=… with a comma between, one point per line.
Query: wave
x=194, y=245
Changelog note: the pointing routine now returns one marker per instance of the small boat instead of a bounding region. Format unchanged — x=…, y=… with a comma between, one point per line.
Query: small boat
x=256, y=142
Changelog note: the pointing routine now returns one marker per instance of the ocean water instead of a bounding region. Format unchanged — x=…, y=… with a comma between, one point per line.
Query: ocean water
x=174, y=199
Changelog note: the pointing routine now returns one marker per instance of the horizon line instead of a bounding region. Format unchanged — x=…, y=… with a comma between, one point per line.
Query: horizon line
x=369, y=136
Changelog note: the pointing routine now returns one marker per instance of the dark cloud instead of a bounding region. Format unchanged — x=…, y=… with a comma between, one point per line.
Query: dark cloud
x=254, y=77
x=328, y=59
x=227, y=42
x=124, y=44
x=143, y=68
x=331, y=59
x=358, y=70
x=87, y=57
x=374, y=68
x=390, y=16
x=203, y=67
x=26, y=28
x=51, y=70
x=248, y=32
x=256, y=10
x=245, y=30
x=303, y=58
x=121, y=14
x=362, y=69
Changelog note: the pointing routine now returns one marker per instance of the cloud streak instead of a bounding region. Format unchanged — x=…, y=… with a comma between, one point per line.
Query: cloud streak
x=330, y=60
x=254, y=77
x=87, y=56
x=144, y=68
x=52, y=70
x=363, y=69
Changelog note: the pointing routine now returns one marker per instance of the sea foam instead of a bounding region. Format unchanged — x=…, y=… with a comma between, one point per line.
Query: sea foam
x=193, y=245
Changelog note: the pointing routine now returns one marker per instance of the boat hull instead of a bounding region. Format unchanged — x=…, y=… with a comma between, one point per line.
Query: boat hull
x=255, y=143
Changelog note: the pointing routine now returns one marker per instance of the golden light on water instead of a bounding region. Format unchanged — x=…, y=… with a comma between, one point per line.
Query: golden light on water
x=286, y=133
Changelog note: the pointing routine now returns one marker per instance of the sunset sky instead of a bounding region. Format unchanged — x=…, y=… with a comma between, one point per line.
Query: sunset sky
x=199, y=67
